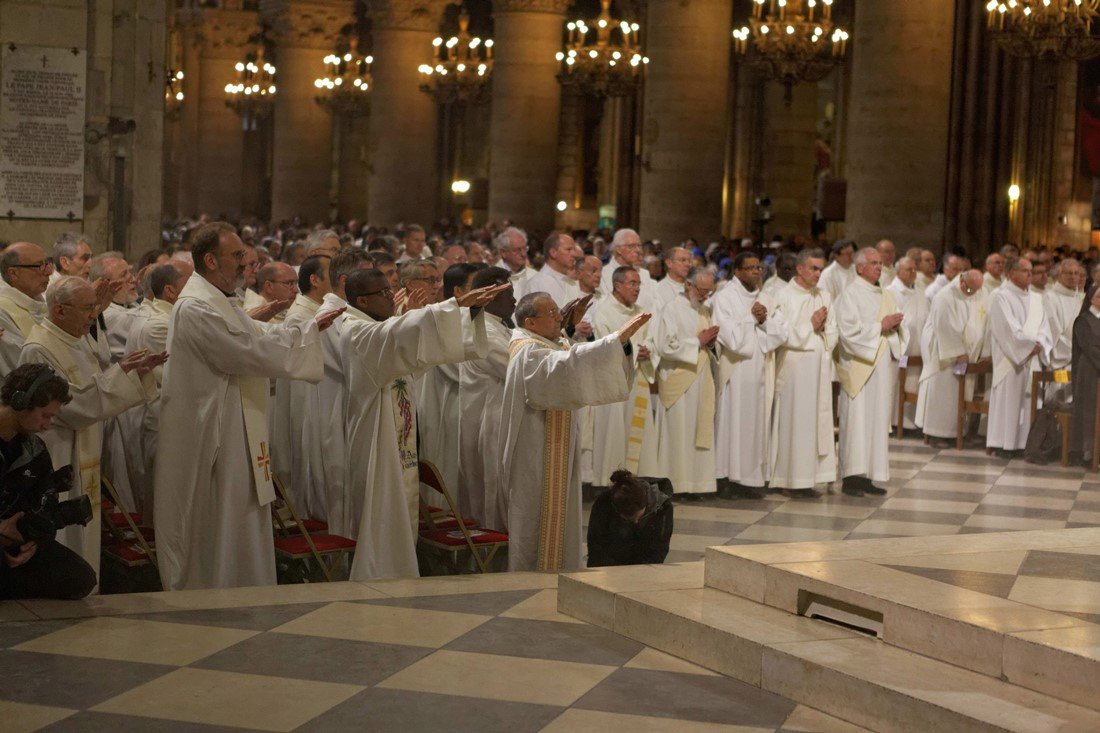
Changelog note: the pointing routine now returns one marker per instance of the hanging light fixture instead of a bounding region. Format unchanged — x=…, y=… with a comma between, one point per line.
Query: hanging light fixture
x=173, y=93
x=1058, y=30
x=345, y=87
x=461, y=67
x=605, y=60
x=253, y=95
x=792, y=41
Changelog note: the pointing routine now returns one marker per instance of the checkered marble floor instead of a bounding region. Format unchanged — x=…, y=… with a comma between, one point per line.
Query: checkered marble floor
x=930, y=492
x=486, y=654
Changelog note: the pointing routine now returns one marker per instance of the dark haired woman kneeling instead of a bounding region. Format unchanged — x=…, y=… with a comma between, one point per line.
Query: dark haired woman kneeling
x=630, y=524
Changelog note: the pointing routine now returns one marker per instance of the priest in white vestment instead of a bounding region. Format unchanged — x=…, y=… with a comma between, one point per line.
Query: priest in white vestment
x=803, y=451
x=511, y=244
x=952, y=337
x=25, y=270
x=872, y=338
x=914, y=306
x=98, y=393
x=888, y=253
x=840, y=273
x=276, y=289
x=993, y=277
x=926, y=268
x=379, y=351
x=151, y=335
x=1062, y=303
x=626, y=251
x=678, y=262
x=481, y=392
x=556, y=276
x=297, y=453
x=683, y=341
x=750, y=329
x=546, y=384
x=784, y=271
x=1020, y=338
x=624, y=434
x=122, y=314
x=213, y=478
x=343, y=505
x=952, y=266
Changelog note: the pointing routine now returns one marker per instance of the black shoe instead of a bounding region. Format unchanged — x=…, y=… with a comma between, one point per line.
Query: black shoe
x=746, y=492
x=852, y=486
x=1003, y=454
x=800, y=493
x=941, y=443
x=874, y=490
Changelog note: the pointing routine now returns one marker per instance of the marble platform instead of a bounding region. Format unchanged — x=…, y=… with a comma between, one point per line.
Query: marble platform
x=983, y=632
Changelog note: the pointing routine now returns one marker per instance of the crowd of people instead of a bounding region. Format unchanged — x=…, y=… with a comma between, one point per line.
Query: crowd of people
x=338, y=359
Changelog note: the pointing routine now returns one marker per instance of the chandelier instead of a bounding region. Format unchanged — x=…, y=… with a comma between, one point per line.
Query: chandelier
x=1051, y=29
x=173, y=93
x=253, y=95
x=794, y=41
x=605, y=61
x=343, y=90
x=460, y=68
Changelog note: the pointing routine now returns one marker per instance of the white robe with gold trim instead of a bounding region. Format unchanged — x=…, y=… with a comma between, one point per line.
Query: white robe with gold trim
x=914, y=306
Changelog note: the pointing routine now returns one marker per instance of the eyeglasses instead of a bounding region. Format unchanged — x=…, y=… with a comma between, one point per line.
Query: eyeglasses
x=40, y=266
x=383, y=291
x=285, y=282
x=432, y=280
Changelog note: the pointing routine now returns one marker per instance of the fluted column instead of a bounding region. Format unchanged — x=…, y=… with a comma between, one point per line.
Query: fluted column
x=684, y=121
x=526, y=104
x=404, y=174
x=301, y=167
x=898, y=122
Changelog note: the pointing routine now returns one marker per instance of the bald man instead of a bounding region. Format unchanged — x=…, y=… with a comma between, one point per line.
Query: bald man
x=26, y=271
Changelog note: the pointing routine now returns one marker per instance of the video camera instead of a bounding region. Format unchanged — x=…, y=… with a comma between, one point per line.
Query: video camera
x=43, y=513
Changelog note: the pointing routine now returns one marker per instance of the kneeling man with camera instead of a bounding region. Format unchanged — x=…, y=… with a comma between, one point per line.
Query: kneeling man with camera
x=32, y=563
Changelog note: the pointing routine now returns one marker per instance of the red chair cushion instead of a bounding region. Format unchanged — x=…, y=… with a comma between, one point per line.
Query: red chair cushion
x=478, y=537
x=448, y=523
x=297, y=545
x=313, y=526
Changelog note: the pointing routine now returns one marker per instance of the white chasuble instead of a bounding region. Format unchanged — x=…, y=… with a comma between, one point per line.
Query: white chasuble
x=213, y=466
x=834, y=279
x=665, y=291
x=77, y=434
x=914, y=306
x=1062, y=307
x=955, y=327
x=868, y=370
x=381, y=459
x=151, y=333
x=437, y=415
x=625, y=433
x=540, y=480
x=481, y=392
x=802, y=446
x=332, y=412
x=746, y=382
x=685, y=407
x=1017, y=322
x=18, y=315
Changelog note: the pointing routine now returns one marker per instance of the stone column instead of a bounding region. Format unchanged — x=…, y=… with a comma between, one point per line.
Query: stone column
x=898, y=122
x=684, y=119
x=301, y=168
x=404, y=165
x=523, y=160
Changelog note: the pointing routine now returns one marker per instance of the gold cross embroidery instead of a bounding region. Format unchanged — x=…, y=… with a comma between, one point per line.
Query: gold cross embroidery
x=264, y=461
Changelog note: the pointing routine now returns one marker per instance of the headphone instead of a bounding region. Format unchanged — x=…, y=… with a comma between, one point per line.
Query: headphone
x=21, y=400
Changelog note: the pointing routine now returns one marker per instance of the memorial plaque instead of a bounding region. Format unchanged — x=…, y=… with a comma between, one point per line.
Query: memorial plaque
x=42, y=132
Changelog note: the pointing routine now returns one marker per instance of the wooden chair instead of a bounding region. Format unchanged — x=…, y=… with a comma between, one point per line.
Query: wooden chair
x=450, y=536
x=978, y=371
x=1063, y=416
x=127, y=547
x=296, y=543
x=906, y=398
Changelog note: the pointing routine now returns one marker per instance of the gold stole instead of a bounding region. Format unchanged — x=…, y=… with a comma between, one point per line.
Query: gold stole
x=254, y=391
x=555, y=476
x=1031, y=330
x=680, y=380
x=854, y=376
x=20, y=316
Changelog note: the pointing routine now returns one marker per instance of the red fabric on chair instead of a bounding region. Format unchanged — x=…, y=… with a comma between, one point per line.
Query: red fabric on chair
x=117, y=519
x=448, y=523
x=298, y=545
x=127, y=553
x=443, y=537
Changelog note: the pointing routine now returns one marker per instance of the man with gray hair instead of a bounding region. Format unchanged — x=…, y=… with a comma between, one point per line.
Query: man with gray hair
x=121, y=314
x=324, y=242
x=914, y=306
x=888, y=253
x=952, y=266
x=1062, y=303
x=626, y=251
x=26, y=271
x=72, y=254
x=99, y=393
x=512, y=246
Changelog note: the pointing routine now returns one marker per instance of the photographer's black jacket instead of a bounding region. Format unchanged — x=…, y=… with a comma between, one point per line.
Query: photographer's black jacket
x=24, y=462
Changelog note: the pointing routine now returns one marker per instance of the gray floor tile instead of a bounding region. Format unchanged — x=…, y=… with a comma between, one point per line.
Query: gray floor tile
x=1000, y=510
x=963, y=496
x=701, y=526
x=906, y=515
x=69, y=682
x=742, y=541
x=687, y=697
x=387, y=711
x=1036, y=490
x=1088, y=506
x=683, y=556
x=992, y=584
x=988, y=461
x=808, y=521
x=548, y=640
x=1053, y=470
x=486, y=604
x=1062, y=565
x=14, y=633
x=315, y=658
x=89, y=722
x=255, y=618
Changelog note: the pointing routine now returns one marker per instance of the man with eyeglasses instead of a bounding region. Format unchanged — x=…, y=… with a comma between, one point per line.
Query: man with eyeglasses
x=423, y=278
x=277, y=286
x=626, y=251
x=119, y=315
x=750, y=329
x=511, y=244
x=26, y=273
x=99, y=393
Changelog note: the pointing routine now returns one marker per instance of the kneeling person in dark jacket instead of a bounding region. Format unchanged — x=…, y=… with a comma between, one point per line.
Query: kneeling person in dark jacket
x=630, y=524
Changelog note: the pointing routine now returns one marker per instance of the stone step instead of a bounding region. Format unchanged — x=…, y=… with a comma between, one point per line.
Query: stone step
x=1049, y=652
x=840, y=672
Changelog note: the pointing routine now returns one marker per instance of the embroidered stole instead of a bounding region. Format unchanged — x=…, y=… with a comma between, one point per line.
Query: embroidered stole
x=853, y=376
x=680, y=380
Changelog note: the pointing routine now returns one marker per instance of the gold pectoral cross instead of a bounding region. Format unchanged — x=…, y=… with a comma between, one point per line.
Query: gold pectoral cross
x=264, y=461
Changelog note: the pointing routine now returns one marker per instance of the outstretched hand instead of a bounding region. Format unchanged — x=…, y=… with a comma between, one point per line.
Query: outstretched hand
x=481, y=297
x=326, y=319
x=574, y=311
x=142, y=361
x=269, y=310
x=631, y=327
